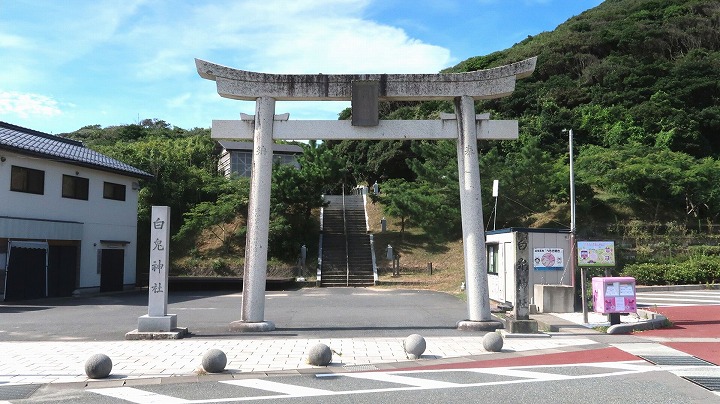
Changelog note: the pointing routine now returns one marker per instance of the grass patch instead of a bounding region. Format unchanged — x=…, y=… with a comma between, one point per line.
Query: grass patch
x=601, y=328
x=416, y=252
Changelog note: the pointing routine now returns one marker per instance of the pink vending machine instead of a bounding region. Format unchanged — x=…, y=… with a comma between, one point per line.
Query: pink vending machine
x=614, y=295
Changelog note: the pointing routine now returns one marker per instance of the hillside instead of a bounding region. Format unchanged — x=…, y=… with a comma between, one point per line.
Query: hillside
x=637, y=81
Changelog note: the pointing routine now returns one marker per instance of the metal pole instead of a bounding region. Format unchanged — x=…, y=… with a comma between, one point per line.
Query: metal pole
x=572, y=186
x=573, y=229
x=582, y=294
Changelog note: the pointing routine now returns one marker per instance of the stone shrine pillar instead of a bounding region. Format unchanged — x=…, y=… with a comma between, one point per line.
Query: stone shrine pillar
x=521, y=322
x=476, y=286
x=258, y=222
x=158, y=324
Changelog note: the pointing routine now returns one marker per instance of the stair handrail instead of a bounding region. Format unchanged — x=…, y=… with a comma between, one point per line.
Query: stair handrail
x=347, y=246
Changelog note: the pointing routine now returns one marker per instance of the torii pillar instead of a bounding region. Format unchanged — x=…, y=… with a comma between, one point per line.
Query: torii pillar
x=365, y=91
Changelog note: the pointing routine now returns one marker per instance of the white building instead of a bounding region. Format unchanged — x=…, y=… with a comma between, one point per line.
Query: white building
x=68, y=217
x=546, y=252
x=236, y=157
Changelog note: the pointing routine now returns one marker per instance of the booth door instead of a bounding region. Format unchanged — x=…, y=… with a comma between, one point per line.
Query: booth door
x=112, y=268
x=25, y=277
x=62, y=267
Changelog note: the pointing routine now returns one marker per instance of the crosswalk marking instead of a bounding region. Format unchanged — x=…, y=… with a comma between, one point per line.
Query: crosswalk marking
x=138, y=396
x=679, y=298
x=675, y=299
x=289, y=389
x=515, y=375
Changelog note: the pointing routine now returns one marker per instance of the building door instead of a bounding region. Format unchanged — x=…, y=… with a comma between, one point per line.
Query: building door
x=26, y=276
x=62, y=270
x=112, y=268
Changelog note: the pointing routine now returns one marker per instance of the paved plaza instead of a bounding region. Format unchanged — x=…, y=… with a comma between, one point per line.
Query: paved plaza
x=48, y=341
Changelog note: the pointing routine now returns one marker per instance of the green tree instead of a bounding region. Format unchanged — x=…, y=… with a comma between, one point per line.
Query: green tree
x=218, y=217
x=296, y=192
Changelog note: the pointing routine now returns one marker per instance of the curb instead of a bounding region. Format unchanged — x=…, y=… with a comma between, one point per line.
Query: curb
x=655, y=321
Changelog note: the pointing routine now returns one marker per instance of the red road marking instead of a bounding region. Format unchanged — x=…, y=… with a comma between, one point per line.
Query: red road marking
x=563, y=358
x=689, y=322
x=709, y=351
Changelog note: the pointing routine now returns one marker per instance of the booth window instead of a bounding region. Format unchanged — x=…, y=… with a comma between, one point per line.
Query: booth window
x=28, y=180
x=114, y=191
x=75, y=187
x=492, y=252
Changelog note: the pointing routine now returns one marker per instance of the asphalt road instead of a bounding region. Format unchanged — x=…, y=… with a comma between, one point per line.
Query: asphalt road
x=308, y=312
x=635, y=382
x=348, y=312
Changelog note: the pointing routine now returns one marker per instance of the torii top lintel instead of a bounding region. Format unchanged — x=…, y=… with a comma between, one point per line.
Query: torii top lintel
x=482, y=84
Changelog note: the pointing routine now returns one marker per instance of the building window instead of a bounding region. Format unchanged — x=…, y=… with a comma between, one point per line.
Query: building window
x=27, y=180
x=114, y=191
x=241, y=163
x=492, y=253
x=75, y=187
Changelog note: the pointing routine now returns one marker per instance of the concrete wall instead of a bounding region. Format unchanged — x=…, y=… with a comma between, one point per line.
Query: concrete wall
x=88, y=221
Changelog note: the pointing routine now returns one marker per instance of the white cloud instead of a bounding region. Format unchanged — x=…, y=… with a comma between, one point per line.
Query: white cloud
x=279, y=36
x=25, y=105
x=180, y=101
x=12, y=41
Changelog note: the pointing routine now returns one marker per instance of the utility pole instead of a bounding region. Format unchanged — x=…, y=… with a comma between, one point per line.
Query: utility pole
x=573, y=229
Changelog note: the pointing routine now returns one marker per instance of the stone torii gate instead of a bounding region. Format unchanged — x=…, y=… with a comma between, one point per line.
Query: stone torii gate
x=365, y=91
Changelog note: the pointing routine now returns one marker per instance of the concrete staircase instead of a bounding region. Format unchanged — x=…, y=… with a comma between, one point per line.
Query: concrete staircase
x=346, y=249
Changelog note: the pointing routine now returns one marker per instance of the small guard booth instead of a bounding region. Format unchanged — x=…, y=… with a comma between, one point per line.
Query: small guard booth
x=545, y=253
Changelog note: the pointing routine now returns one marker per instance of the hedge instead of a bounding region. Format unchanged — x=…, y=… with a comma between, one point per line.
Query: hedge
x=695, y=270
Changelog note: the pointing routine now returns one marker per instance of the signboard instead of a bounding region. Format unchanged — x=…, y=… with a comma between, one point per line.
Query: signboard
x=596, y=253
x=548, y=259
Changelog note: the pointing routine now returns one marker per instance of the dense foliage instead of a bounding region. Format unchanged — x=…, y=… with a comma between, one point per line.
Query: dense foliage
x=637, y=80
x=206, y=205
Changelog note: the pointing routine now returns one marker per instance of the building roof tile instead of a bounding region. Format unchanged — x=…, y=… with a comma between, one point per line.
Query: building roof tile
x=28, y=141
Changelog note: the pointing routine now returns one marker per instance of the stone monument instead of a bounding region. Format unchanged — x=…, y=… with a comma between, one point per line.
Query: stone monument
x=158, y=324
x=520, y=322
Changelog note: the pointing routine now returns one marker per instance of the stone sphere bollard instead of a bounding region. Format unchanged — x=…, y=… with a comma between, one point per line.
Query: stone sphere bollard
x=414, y=346
x=320, y=355
x=98, y=366
x=492, y=342
x=214, y=361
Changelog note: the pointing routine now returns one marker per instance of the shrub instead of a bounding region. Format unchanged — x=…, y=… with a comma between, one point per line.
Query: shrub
x=647, y=273
x=697, y=269
x=707, y=267
x=683, y=273
x=704, y=250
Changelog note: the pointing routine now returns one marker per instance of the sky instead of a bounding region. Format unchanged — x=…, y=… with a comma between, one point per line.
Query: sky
x=66, y=64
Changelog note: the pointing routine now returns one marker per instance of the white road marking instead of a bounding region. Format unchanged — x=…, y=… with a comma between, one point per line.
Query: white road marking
x=138, y=396
x=410, y=381
x=675, y=299
x=679, y=298
x=528, y=374
x=275, y=387
x=521, y=374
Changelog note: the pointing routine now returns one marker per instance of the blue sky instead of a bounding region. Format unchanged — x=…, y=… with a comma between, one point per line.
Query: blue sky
x=71, y=63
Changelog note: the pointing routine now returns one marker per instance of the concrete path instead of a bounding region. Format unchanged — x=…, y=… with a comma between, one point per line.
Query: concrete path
x=63, y=362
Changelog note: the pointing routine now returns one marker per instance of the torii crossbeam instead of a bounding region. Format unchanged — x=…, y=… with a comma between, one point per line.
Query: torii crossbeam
x=365, y=91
